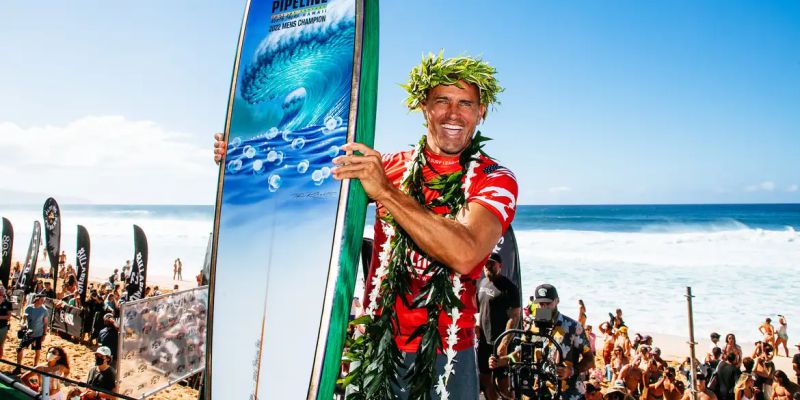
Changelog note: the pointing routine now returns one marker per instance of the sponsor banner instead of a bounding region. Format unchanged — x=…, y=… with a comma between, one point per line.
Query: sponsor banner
x=52, y=235
x=67, y=319
x=135, y=283
x=26, y=281
x=7, y=243
x=82, y=262
x=162, y=340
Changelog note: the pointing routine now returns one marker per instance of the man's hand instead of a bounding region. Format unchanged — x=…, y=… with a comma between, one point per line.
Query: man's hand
x=219, y=147
x=367, y=168
x=497, y=362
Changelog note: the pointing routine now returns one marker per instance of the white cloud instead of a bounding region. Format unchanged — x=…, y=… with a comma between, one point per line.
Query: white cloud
x=108, y=159
x=766, y=186
x=559, y=189
x=792, y=188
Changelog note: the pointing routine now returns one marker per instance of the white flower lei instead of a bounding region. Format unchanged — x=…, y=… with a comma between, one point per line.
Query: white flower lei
x=380, y=273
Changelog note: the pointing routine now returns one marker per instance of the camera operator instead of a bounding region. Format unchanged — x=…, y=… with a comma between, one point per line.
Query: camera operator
x=569, y=336
x=33, y=331
x=499, y=306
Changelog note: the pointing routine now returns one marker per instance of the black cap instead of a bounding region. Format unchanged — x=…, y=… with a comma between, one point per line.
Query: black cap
x=545, y=293
x=496, y=257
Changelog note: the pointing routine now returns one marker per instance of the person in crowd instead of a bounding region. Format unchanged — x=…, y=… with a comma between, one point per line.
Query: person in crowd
x=110, y=305
x=593, y=390
x=114, y=277
x=5, y=316
x=617, y=391
x=57, y=364
x=703, y=393
x=745, y=388
x=615, y=320
x=101, y=376
x=62, y=259
x=70, y=271
x=94, y=315
x=747, y=365
x=633, y=377
x=768, y=331
x=782, y=387
x=35, y=326
x=577, y=355
x=764, y=370
x=48, y=290
x=499, y=306
x=608, y=342
x=618, y=360
x=15, y=274
x=622, y=340
x=643, y=357
x=665, y=387
x=180, y=268
x=581, y=313
x=714, y=343
x=592, y=338
x=109, y=335
x=732, y=347
x=782, y=336
x=726, y=375
x=655, y=353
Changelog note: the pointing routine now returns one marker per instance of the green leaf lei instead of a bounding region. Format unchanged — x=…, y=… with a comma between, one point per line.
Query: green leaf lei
x=376, y=351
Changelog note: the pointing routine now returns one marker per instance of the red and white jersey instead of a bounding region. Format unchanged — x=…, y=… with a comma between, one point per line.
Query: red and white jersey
x=491, y=186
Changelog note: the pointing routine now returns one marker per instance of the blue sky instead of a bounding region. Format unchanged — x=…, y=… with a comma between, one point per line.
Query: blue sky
x=605, y=102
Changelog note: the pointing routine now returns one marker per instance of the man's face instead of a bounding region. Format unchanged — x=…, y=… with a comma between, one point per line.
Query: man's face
x=452, y=113
x=549, y=304
x=491, y=269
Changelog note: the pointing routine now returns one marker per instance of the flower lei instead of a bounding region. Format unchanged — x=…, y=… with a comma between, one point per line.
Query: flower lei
x=379, y=359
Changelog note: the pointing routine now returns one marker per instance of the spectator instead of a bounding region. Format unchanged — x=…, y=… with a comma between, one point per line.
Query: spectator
x=745, y=387
x=109, y=335
x=726, y=375
x=101, y=376
x=796, y=363
x=48, y=290
x=57, y=364
x=35, y=326
x=5, y=316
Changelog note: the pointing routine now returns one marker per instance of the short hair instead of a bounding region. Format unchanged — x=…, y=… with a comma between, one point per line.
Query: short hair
x=731, y=357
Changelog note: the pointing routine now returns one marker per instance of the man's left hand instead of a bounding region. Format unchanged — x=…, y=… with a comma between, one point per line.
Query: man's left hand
x=367, y=168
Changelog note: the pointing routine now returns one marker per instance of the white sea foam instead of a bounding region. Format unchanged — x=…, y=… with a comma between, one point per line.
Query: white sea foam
x=739, y=277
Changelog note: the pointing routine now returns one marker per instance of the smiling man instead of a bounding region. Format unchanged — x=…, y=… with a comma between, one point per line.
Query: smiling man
x=441, y=208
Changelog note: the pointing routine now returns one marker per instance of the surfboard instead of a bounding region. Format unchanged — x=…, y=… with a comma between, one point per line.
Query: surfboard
x=286, y=234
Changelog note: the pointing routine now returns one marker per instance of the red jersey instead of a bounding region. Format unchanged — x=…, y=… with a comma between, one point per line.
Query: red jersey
x=491, y=186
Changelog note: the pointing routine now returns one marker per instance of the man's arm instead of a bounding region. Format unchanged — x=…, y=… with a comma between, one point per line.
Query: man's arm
x=469, y=238
x=513, y=321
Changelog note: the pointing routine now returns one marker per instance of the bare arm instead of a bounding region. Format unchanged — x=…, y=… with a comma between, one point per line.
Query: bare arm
x=470, y=237
x=513, y=320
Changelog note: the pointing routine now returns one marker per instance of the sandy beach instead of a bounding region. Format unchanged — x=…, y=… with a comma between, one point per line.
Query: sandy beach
x=81, y=357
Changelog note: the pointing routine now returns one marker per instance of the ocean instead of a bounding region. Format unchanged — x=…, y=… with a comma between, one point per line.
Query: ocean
x=740, y=260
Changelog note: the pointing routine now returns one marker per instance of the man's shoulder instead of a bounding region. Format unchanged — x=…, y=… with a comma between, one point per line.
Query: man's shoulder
x=507, y=285
x=488, y=168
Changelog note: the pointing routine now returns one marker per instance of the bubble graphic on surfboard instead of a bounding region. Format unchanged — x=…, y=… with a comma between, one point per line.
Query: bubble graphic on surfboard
x=271, y=133
x=249, y=151
x=302, y=166
x=274, y=182
x=235, y=165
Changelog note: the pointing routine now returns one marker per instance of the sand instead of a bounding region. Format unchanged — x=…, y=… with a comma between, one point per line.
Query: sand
x=81, y=357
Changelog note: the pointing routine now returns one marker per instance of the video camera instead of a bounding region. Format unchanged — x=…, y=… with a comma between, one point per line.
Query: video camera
x=534, y=374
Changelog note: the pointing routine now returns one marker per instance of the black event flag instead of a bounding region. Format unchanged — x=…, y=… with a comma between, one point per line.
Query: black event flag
x=206, y=273
x=26, y=279
x=137, y=280
x=7, y=242
x=82, y=262
x=52, y=235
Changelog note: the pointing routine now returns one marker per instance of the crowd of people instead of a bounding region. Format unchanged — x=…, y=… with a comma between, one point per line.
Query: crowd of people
x=100, y=316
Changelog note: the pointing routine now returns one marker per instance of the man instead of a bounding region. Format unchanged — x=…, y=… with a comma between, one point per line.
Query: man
x=102, y=376
x=616, y=392
x=633, y=378
x=569, y=336
x=109, y=335
x=5, y=317
x=444, y=216
x=796, y=363
x=35, y=316
x=714, y=343
x=62, y=259
x=48, y=290
x=726, y=375
x=703, y=393
x=499, y=305
x=593, y=390
x=665, y=387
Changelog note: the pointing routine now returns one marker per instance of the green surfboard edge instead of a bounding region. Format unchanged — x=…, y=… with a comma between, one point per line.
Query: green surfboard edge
x=356, y=206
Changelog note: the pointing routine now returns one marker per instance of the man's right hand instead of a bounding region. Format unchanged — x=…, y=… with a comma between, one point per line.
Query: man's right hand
x=219, y=147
